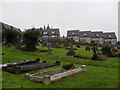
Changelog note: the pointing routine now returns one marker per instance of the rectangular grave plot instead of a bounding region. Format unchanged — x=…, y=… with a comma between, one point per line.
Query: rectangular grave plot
x=20, y=63
x=29, y=67
x=54, y=75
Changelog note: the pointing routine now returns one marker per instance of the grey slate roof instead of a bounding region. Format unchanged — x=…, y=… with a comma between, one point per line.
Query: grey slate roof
x=110, y=35
x=56, y=31
x=85, y=34
x=72, y=33
x=98, y=34
x=6, y=26
x=50, y=31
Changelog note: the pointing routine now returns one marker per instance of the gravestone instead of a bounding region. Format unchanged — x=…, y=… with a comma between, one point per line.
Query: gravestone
x=77, y=44
x=18, y=44
x=87, y=48
x=8, y=44
x=44, y=43
x=49, y=52
x=95, y=55
x=71, y=51
x=106, y=50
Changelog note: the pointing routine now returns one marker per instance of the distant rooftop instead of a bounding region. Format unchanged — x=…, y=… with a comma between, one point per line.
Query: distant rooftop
x=7, y=26
x=93, y=34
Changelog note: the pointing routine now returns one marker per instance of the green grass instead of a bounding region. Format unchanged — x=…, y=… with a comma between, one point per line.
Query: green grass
x=99, y=74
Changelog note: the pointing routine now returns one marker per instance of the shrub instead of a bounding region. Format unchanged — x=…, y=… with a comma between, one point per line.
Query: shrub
x=71, y=52
x=44, y=43
x=30, y=38
x=66, y=42
x=106, y=50
x=55, y=45
x=55, y=42
x=118, y=55
x=103, y=57
x=77, y=44
x=11, y=36
x=114, y=49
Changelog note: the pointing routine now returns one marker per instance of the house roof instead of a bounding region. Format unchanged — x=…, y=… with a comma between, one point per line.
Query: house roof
x=110, y=35
x=56, y=30
x=85, y=34
x=72, y=33
x=50, y=32
x=6, y=26
x=98, y=34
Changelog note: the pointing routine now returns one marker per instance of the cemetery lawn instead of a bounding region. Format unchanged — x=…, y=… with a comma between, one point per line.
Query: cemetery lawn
x=99, y=74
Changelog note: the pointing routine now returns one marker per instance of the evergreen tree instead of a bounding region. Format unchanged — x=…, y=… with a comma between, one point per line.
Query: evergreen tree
x=30, y=38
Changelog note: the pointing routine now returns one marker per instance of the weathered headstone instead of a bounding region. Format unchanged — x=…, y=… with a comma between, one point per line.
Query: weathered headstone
x=18, y=44
x=8, y=44
x=106, y=50
x=95, y=55
x=49, y=52
x=87, y=48
x=71, y=51
x=77, y=44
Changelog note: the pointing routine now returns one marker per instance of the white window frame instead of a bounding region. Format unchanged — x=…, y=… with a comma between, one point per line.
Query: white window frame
x=53, y=32
x=73, y=33
x=45, y=32
x=53, y=35
x=97, y=35
x=85, y=34
x=109, y=36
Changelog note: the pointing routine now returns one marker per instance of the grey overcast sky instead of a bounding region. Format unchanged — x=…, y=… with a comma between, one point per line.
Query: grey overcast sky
x=64, y=15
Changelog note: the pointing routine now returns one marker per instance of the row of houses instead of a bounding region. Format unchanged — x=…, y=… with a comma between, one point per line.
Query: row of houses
x=78, y=36
x=88, y=36
x=83, y=36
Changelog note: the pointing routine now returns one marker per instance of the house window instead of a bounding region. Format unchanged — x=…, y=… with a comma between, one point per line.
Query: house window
x=53, y=32
x=73, y=33
x=45, y=32
x=53, y=36
x=76, y=40
x=97, y=35
x=85, y=34
x=45, y=36
x=109, y=36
